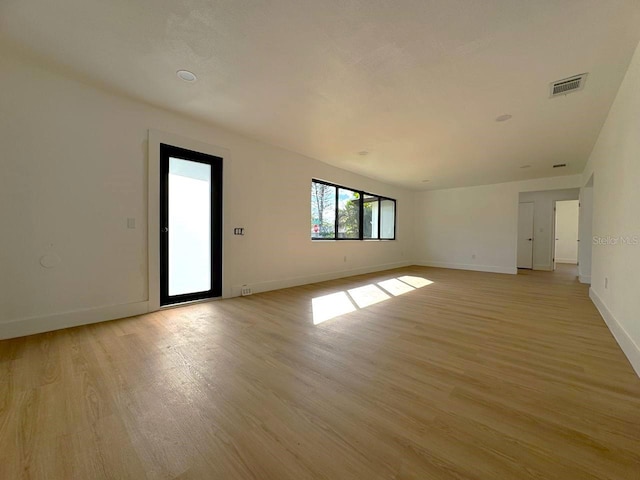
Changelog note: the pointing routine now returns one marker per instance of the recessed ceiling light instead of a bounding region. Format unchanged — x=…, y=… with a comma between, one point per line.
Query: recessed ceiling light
x=525, y=166
x=363, y=153
x=186, y=75
x=503, y=118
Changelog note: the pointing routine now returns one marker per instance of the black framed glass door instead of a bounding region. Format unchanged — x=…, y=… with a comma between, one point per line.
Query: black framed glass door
x=190, y=225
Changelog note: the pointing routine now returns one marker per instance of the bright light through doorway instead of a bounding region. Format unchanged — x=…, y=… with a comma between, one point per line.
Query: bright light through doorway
x=334, y=305
x=190, y=227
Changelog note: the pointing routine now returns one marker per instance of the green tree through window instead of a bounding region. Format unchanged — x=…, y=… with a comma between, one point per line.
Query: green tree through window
x=348, y=214
x=340, y=213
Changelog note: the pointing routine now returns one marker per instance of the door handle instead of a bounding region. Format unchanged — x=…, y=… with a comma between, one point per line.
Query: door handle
x=530, y=239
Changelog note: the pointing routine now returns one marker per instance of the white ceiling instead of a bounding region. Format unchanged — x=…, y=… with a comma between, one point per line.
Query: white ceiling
x=417, y=83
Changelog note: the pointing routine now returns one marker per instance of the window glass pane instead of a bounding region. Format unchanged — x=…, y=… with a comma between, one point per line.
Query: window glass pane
x=189, y=227
x=387, y=218
x=327, y=201
x=348, y=213
x=323, y=210
x=370, y=216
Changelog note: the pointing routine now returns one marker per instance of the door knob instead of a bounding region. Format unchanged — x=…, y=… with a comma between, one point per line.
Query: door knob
x=530, y=239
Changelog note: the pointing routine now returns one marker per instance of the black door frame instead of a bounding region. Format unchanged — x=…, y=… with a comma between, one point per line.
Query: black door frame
x=167, y=151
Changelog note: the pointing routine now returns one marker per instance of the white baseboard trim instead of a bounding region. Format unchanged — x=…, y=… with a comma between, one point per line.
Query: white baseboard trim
x=628, y=346
x=47, y=323
x=585, y=279
x=567, y=260
x=462, y=266
x=321, y=277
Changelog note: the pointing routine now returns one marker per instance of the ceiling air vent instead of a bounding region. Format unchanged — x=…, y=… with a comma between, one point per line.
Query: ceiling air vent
x=568, y=85
x=559, y=165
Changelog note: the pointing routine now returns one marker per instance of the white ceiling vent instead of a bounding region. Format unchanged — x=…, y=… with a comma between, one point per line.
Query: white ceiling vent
x=568, y=85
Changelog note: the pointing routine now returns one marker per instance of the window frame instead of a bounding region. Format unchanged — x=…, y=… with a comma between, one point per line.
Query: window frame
x=361, y=194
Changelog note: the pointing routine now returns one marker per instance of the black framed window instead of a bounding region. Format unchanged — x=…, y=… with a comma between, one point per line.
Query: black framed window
x=344, y=213
x=323, y=210
x=348, y=214
x=370, y=216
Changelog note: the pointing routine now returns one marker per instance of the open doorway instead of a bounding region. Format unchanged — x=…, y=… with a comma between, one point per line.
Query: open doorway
x=536, y=228
x=566, y=232
x=190, y=225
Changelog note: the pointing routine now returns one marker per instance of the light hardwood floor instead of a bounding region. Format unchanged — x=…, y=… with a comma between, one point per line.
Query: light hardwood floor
x=474, y=376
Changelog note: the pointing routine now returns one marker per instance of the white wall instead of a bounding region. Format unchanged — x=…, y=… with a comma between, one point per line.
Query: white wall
x=543, y=218
x=74, y=168
x=584, y=233
x=566, y=232
x=615, y=166
x=453, y=225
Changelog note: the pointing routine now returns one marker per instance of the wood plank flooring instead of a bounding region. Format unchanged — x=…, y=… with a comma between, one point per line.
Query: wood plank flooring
x=474, y=376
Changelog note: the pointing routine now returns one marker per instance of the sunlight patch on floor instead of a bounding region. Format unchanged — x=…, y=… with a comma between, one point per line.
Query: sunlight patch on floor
x=416, y=282
x=331, y=306
x=396, y=287
x=334, y=305
x=367, y=295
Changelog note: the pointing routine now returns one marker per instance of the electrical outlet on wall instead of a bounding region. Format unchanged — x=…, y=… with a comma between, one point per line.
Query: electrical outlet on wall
x=246, y=290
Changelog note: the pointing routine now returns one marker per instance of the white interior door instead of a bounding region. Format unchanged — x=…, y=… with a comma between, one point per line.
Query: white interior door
x=566, y=231
x=525, y=235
